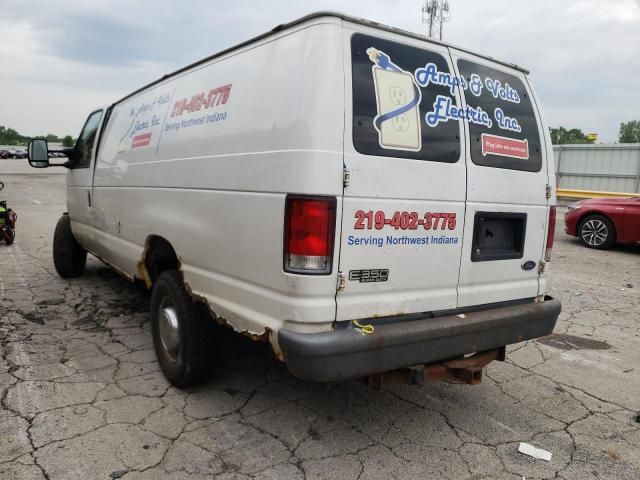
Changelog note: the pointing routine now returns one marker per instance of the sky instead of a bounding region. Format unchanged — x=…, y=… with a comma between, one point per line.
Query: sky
x=59, y=59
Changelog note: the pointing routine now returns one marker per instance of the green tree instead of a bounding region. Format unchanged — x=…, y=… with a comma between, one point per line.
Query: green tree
x=562, y=136
x=8, y=136
x=629, y=132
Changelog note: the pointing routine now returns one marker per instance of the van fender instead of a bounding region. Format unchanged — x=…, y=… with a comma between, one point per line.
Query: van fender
x=148, y=269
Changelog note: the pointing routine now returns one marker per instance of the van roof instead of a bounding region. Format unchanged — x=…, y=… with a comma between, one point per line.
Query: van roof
x=312, y=16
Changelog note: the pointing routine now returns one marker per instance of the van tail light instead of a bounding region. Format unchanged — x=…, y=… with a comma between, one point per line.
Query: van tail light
x=309, y=227
x=551, y=230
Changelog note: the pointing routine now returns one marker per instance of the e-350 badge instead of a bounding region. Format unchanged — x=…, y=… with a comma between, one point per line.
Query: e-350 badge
x=398, y=99
x=370, y=275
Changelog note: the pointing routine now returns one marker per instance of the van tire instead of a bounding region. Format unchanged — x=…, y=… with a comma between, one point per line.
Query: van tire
x=593, y=228
x=185, y=352
x=69, y=257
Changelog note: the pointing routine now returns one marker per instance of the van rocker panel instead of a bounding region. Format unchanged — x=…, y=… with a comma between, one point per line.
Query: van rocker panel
x=348, y=353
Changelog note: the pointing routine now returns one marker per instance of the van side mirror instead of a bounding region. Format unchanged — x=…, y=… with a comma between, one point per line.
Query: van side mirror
x=38, y=153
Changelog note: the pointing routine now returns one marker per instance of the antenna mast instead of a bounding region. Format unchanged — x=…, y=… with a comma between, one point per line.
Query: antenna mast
x=435, y=13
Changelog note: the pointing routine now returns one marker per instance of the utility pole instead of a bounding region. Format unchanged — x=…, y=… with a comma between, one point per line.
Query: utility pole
x=435, y=12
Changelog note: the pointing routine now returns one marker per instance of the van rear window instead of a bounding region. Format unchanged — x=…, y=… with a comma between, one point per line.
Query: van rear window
x=509, y=138
x=392, y=95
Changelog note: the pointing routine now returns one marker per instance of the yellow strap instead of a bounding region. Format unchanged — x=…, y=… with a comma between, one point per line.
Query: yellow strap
x=368, y=329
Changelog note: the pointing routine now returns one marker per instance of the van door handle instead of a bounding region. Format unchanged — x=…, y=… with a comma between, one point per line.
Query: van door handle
x=89, y=197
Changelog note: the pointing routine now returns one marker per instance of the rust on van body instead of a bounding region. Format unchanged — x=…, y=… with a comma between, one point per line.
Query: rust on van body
x=143, y=273
x=266, y=336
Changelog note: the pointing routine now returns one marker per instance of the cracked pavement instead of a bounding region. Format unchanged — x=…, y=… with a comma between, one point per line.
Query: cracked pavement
x=82, y=396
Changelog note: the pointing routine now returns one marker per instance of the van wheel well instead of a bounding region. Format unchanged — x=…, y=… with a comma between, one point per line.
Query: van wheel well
x=160, y=256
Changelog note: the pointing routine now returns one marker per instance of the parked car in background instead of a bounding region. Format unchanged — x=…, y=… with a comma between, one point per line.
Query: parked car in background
x=4, y=154
x=603, y=222
x=17, y=153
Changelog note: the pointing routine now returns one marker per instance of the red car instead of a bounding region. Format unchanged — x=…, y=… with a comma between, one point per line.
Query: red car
x=603, y=222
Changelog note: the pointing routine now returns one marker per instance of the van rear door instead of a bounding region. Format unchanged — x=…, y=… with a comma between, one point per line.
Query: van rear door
x=404, y=195
x=507, y=185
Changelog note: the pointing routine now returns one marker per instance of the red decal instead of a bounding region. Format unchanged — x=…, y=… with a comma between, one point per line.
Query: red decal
x=395, y=220
x=503, y=146
x=404, y=220
x=213, y=97
x=413, y=221
x=379, y=220
x=141, y=140
x=452, y=221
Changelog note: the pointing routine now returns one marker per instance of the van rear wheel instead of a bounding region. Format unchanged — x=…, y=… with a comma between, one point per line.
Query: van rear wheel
x=182, y=332
x=69, y=257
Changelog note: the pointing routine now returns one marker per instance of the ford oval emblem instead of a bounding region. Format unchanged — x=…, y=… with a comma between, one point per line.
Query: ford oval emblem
x=528, y=265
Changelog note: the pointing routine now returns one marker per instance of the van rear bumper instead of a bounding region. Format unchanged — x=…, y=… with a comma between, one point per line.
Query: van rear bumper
x=411, y=340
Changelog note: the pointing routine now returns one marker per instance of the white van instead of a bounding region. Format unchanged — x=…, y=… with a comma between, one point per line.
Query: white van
x=363, y=198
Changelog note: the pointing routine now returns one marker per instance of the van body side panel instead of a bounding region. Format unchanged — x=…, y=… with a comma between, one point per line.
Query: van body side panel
x=403, y=212
x=208, y=167
x=507, y=205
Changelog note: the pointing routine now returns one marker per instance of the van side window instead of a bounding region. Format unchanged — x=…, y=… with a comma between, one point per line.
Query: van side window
x=393, y=93
x=510, y=138
x=86, y=140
